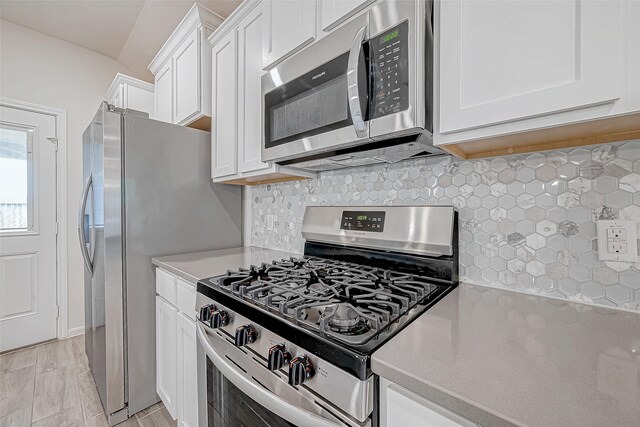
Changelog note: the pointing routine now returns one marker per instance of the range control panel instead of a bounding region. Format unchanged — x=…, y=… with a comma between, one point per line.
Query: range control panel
x=389, y=58
x=363, y=221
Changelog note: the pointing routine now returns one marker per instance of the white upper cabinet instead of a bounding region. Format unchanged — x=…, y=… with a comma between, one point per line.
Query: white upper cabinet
x=182, y=70
x=129, y=92
x=224, y=136
x=186, y=78
x=289, y=25
x=498, y=63
x=333, y=12
x=250, y=122
x=500, y=72
x=164, y=93
x=237, y=121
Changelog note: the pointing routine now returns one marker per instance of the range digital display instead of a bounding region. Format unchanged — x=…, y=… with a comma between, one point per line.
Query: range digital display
x=363, y=221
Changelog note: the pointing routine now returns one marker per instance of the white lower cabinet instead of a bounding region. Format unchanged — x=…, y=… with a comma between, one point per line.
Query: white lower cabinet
x=400, y=407
x=176, y=348
x=166, y=316
x=187, y=372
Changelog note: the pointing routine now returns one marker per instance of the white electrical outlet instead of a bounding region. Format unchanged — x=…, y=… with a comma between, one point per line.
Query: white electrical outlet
x=617, y=241
x=270, y=222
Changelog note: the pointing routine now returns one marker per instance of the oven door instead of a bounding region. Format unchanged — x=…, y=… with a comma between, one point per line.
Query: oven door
x=317, y=100
x=238, y=391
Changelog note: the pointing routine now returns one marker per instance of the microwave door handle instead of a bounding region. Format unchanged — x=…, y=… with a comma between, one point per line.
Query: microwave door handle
x=352, y=84
x=261, y=395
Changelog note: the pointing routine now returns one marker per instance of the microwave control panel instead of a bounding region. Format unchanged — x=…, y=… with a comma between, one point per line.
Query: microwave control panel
x=363, y=221
x=389, y=58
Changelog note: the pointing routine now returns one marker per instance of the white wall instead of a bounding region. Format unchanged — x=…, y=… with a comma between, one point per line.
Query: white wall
x=44, y=70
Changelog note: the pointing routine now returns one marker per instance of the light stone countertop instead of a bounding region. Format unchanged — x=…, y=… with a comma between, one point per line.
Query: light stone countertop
x=496, y=357
x=200, y=265
x=499, y=357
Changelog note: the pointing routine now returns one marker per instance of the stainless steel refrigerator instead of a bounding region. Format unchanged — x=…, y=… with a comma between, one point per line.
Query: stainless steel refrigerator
x=147, y=193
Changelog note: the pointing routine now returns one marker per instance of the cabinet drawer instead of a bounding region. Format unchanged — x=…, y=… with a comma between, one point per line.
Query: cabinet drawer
x=186, y=298
x=166, y=286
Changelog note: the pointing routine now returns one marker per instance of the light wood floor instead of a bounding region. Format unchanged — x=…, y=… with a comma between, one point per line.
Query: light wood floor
x=51, y=385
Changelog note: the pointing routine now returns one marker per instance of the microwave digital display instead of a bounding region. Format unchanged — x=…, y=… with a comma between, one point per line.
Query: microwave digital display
x=390, y=36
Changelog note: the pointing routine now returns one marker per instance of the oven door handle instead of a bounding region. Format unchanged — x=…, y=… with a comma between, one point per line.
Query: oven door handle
x=261, y=395
x=353, y=91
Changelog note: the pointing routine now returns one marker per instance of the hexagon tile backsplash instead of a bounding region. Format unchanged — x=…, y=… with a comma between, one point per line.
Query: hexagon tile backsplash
x=527, y=222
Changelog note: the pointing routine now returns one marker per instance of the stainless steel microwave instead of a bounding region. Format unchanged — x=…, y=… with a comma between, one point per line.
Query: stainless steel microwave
x=362, y=94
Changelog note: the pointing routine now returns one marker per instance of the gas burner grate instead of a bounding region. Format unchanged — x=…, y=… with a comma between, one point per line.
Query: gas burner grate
x=337, y=299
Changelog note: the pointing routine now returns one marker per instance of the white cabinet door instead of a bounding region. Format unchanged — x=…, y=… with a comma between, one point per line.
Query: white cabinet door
x=498, y=63
x=249, y=92
x=224, y=85
x=400, y=407
x=186, y=78
x=117, y=100
x=332, y=12
x=164, y=93
x=289, y=25
x=187, y=372
x=166, y=377
x=139, y=99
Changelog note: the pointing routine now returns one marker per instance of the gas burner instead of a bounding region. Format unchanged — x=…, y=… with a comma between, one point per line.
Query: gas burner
x=345, y=301
x=344, y=319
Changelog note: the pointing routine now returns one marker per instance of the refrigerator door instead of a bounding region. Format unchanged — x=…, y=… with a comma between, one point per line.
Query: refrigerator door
x=94, y=319
x=104, y=311
x=170, y=207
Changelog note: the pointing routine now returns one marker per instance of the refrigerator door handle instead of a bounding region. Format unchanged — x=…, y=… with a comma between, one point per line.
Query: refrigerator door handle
x=81, y=225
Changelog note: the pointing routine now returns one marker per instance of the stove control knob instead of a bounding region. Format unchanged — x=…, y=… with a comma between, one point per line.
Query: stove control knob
x=245, y=335
x=300, y=370
x=278, y=356
x=205, y=313
x=219, y=318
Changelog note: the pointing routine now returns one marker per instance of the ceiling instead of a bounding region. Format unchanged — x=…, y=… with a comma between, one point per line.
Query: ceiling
x=129, y=31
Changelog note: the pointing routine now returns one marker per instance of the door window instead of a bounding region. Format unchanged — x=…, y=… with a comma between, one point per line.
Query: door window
x=16, y=180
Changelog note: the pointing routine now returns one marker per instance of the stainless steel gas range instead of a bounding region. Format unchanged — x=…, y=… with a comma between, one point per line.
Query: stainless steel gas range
x=290, y=342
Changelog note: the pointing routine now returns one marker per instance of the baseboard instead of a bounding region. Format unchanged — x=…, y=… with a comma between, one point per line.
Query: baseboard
x=75, y=331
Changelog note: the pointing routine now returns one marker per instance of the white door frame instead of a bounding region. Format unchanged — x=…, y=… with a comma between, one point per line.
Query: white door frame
x=60, y=116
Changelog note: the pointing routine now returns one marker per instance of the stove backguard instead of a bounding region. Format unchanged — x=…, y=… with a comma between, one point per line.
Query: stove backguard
x=442, y=269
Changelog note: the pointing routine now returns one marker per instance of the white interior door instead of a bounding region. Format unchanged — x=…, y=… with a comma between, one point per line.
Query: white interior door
x=28, y=304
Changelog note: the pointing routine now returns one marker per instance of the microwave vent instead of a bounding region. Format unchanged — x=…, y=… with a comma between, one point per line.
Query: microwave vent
x=393, y=156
